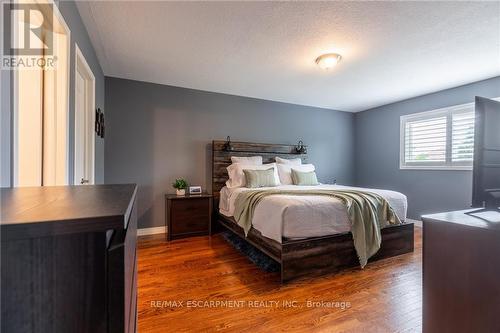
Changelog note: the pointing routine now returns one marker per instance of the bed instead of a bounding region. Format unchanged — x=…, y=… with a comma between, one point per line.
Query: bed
x=311, y=242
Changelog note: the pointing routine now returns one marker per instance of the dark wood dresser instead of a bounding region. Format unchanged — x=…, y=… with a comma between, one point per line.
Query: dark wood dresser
x=69, y=259
x=461, y=274
x=189, y=215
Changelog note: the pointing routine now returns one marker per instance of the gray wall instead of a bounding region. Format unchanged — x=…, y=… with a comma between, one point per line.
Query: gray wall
x=377, y=152
x=78, y=35
x=156, y=133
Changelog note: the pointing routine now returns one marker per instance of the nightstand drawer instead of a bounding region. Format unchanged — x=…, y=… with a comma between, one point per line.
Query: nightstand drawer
x=188, y=216
x=182, y=208
x=194, y=224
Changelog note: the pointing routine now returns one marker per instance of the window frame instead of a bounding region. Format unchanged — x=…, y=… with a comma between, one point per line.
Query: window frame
x=447, y=112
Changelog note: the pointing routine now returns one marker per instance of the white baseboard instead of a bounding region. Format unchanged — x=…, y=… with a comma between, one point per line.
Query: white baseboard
x=418, y=223
x=151, y=231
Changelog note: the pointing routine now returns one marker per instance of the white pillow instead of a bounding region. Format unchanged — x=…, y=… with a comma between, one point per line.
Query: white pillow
x=285, y=171
x=237, y=176
x=248, y=160
x=293, y=161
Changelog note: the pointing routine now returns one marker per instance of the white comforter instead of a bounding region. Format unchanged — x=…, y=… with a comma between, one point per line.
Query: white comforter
x=288, y=216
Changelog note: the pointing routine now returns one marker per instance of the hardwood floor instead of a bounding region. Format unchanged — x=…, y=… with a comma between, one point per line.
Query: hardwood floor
x=386, y=296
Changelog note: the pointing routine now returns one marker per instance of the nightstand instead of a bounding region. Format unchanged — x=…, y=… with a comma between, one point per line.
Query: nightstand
x=189, y=215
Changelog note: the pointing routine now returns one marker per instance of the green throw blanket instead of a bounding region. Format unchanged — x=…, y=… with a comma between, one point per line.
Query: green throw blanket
x=368, y=213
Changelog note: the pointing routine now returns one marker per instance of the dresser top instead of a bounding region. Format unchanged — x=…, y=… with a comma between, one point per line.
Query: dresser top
x=485, y=220
x=48, y=210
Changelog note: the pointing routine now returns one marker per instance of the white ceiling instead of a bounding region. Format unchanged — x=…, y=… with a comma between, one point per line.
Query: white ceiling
x=391, y=50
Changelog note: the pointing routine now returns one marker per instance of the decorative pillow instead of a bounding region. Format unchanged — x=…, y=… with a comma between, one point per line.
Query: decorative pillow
x=293, y=161
x=248, y=160
x=304, y=178
x=237, y=176
x=260, y=178
x=285, y=171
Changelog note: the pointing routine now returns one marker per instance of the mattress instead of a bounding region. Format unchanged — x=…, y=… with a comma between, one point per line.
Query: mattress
x=294, y=217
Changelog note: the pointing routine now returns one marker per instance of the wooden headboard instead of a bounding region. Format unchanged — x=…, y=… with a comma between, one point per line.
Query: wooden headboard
x=221, y=158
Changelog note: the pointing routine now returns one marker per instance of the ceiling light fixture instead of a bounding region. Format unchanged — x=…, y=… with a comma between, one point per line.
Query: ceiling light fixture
x=328, y=60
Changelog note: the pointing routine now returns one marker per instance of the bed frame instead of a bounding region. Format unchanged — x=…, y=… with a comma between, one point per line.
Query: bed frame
x=305, y=257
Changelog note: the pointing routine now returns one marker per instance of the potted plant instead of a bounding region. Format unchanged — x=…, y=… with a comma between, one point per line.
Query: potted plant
x=180, y=186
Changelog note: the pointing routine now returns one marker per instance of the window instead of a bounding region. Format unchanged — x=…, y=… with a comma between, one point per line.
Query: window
x=439, y=139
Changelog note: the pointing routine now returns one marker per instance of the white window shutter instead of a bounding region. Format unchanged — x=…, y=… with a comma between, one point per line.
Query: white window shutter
x=462, y=146
x=426, y=140
x=439, y=139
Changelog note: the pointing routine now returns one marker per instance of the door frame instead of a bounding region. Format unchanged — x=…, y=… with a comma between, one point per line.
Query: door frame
x=83, y=67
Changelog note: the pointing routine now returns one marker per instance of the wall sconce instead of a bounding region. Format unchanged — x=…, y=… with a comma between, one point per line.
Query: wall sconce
x=227, y=145
x=300, y=148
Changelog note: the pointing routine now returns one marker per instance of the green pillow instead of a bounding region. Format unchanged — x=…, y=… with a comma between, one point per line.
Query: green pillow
x=260, y=178
x=304, y=178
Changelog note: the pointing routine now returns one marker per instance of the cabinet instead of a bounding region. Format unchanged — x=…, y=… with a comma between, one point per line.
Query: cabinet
x=461, y=274
x=189, y=215
x=69, y=259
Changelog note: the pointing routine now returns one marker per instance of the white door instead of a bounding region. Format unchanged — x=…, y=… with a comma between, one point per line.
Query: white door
x=40, y=105
x=84, y=122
